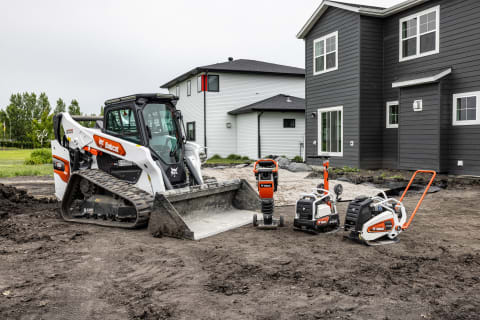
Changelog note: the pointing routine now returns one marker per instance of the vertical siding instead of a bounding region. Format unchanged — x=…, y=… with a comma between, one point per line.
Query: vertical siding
x=247, y=129
x=335, y=88
x=372, y=118
x=277, y=140
x=459, y=47
x=236, y=90
x=419, y=132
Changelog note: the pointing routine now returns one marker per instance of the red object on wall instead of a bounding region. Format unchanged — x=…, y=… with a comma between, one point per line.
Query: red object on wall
x=204, y=82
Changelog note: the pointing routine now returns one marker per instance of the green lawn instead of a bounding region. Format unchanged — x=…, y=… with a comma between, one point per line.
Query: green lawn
x=12, y=164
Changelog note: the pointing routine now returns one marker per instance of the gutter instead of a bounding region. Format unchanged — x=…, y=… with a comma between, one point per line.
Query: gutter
x=205, y=112
x=258, y=135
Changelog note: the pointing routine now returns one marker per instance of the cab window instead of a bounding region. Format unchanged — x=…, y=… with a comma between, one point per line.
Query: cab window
x=121, y=123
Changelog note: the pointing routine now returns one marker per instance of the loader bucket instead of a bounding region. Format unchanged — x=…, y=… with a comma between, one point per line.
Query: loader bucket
x=203, y=211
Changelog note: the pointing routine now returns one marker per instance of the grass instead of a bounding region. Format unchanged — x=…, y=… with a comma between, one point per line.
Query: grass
x=231, y=159
x=12, y=164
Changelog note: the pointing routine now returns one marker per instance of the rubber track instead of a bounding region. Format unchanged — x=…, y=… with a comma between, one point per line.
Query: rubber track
x=141, y=200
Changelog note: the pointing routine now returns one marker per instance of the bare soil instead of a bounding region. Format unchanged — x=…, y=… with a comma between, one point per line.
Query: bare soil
x=50, y=269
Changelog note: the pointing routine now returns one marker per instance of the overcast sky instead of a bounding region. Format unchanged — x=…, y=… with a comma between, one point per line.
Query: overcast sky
x=94, y=50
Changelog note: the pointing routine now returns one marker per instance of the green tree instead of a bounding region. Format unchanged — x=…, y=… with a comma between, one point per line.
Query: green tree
x=61, y=106
x=102, y=112
x=42, y=106
x=26, y=114
x=74, y=108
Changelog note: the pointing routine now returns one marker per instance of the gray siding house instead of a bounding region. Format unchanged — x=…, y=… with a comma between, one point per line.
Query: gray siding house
x=394, y=87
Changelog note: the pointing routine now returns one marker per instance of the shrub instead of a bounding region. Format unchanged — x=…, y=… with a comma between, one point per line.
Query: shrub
x=215, y=157
x=245, y=158
x=297, y=159
x=234, y=157
x=39, y=156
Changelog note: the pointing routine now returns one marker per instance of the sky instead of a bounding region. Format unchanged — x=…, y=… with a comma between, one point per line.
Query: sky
x=94, y=50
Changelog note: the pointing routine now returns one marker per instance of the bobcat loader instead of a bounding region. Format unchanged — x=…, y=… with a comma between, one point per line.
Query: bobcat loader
x=135, y=168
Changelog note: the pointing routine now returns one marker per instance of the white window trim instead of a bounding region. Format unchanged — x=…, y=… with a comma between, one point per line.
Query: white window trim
x=177, y=90
x=437, y=30
x=391, y=103
x=324, y=38
x=454, y=109
x=319, y=141
x=189, y=88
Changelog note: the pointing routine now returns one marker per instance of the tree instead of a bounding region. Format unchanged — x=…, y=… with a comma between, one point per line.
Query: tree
x=74, y=108
x=61, y=106
x=42, y=106
x=102, y=112
x=26, y=114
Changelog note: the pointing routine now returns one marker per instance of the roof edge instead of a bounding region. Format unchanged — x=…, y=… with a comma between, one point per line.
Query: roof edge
x=198, y=70
x=381, y=13
x=419, y=81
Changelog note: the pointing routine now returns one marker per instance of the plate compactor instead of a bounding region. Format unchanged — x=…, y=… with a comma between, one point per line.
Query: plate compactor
x=379, y=220
x=317, y=211
x=266, y=173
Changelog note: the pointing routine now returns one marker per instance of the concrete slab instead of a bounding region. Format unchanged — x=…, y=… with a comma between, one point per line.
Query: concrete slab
x=206, y=224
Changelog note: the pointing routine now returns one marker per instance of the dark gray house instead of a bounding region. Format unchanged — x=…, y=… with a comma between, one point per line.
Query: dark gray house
x=394, y=87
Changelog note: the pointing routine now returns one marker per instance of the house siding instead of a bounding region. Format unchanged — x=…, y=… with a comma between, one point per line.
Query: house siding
x=236, y=90
x=247, y=133
x=280, y=141
x=372, y=114
x=459, y=47
x=336, y=88
x=419, y=132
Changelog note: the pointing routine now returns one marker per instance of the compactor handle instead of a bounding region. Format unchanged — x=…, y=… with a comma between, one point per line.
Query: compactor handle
x=434, y=174
x=255, y=170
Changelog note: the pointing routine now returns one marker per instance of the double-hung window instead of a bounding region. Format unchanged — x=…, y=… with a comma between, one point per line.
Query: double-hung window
x=177, y=90
x=325, y=53
x=420, y=34
x=330, y=134
x=466, y=109
x=392, y=114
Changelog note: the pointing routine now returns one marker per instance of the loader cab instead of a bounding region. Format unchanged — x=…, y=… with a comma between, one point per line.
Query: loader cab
x=151, y=120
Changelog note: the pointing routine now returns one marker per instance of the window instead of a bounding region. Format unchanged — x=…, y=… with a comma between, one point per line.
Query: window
x=199, y=84
x=213, y=83
x=330, y=126
x=465, y=109
x=420, y=34
x=289, y=123
x=189, y=88
x=392, y=114
x=177, y=91
x=163, y=133
x=325, y=54
x=191, y=131
x=121, y=122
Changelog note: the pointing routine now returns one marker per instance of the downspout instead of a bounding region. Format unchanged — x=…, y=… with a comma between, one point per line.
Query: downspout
x=258, y=134
x=205, y=112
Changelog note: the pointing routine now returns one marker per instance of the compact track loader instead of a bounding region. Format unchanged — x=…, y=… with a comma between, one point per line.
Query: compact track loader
x=135, y=168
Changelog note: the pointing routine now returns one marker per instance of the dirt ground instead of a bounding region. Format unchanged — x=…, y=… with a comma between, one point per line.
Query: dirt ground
x=50, y=269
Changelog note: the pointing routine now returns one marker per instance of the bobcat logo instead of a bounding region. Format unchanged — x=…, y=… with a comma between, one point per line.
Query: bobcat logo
x=174, y=172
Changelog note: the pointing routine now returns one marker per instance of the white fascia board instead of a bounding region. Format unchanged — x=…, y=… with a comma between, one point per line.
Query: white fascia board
x=319, y=12
x=361, y=10
x=419, y=81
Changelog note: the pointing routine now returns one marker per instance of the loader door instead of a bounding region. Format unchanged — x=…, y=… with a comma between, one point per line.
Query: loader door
x=122, y=123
